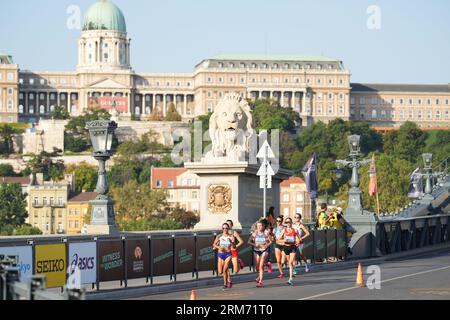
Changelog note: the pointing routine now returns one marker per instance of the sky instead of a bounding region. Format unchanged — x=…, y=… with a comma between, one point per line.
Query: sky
x=379, y=41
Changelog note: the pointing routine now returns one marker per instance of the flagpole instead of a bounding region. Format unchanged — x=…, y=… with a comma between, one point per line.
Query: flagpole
x=378, y=204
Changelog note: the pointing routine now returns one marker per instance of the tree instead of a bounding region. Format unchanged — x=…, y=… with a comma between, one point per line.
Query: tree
x=137, y=201
x=7, y=170
x=12, y=206
x=44, y=163
x=76, y=137
x=393, y=181
x=27, y=230
x=60, y=113
x=85, y=176
x=269, y=115
x=172, y=113
x=407, y=143
x=6, y=136
x=188, y=219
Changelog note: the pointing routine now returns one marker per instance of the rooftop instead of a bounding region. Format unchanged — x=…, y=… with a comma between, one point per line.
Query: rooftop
x=373, y=87
x=83, y=197
x=271, y=57
x=164, y=175
x=20, y=180
x=292, y=180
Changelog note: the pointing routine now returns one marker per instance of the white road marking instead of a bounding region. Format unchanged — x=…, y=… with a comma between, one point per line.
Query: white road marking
x=388, y=280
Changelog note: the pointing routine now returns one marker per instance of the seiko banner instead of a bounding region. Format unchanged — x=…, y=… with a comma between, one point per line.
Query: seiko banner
x=83, y=262
x=25, y=260
x=50, y=261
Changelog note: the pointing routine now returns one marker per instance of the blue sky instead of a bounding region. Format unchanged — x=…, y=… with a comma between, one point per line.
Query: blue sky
x=411, y=46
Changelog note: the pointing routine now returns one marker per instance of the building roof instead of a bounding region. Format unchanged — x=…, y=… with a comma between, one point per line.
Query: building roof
x=104, y=15
x=271, y=57
x=165, y=175
x=292, y=180
x=83, y=197
x=428, y=88
x=6, y=58
x=20, y=180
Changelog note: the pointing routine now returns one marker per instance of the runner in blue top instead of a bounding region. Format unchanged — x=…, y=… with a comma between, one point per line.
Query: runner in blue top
x=223, y=244
x=278, y=231
x=260, y=241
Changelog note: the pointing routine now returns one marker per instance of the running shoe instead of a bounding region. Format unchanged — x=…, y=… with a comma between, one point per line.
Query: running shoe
x=225, y=287
x=259, y=285
x=257, y=279
x=294, y=272
x=290, y=282
x=269, y=267
x=280, y=276
x=306, y=267
x=241, y=264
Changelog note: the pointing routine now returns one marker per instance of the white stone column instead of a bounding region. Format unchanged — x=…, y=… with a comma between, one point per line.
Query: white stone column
x=48, y=100
x=58, y=98
x=69, y=102
x=27, y=106
x=164, y=105
x=185, y=104
x=282, y=99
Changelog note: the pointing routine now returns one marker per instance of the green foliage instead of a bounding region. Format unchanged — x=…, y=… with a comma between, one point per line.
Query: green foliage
x=393, y=182
x=269, y=115
x=6, y=139
x=12, y=206
x=76, y=137
x=172, y=113
x=150, y=224
x=136, y=201
x=27, y=230
x=45, y=163
x=188, y=219
x=7, y=170
x=85, y=176
x=438, y=143
x=330, y=143
x=407, y=143
x=60, y=113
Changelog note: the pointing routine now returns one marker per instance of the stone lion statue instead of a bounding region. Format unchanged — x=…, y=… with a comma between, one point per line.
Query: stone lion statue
x=230, y=128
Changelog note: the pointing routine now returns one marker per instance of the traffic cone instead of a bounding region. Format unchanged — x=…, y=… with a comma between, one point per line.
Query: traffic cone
x=359, y=277
x=193, y=295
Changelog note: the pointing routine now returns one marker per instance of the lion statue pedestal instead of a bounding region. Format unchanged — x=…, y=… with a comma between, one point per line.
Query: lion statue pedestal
x=229, y=186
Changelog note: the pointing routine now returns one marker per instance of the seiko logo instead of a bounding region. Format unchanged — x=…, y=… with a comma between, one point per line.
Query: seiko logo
x=47, y=266
x=83, y=263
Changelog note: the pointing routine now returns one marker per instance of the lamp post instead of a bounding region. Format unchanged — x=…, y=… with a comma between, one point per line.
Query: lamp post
x=102, y=213
x=429, y=175
x=354, y=199
x=362, y=221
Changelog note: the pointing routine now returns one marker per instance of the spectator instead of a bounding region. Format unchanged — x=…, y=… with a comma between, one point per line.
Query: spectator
x=322, y=217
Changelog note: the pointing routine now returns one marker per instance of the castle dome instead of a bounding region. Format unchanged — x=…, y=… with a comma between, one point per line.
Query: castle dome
x=104, y=15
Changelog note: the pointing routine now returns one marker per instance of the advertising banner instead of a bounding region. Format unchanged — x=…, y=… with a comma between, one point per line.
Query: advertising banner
x=341, y=243
x=138, y=258
x=83, y=262
x=162, y=252
x=50, y=261
x=319, y=244
x=246, y=251
x=308, y=247
x=110, y=260
x=25, y=261
x=205, y=253
x=331, y=243
x=107, y=102
x=185, y=249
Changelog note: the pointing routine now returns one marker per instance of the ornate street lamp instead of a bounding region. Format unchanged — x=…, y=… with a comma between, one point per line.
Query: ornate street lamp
x=102, y=213
x=354, y=200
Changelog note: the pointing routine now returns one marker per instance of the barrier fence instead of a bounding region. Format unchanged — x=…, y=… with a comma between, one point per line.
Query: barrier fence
x=409, y=234
x=95, y=260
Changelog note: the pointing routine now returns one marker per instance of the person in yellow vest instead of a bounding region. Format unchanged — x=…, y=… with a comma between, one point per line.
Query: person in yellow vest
x=322, y=217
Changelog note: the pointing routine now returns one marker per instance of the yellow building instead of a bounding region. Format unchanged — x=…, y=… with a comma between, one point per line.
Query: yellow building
x=77, y=209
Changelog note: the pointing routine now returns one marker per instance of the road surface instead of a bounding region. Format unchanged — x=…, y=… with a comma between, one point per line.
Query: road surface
x=419, y=278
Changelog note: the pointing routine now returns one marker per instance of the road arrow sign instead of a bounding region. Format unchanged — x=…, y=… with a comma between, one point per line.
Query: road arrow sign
x=265, y=148
x=265, y=169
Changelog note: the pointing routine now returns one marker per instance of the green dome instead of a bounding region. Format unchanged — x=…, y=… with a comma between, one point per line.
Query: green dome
x=104, y=15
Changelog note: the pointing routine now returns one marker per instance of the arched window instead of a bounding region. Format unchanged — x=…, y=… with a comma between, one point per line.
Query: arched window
x=137, y=110
x=41, y=109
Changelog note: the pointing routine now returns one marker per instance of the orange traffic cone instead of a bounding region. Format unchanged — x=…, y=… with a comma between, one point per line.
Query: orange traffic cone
x=193, y=295
x=359, y=277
